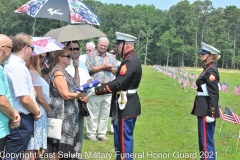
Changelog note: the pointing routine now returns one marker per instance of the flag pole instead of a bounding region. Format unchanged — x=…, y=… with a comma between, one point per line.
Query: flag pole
x=238, y=139
x=221, y=127
x=179, y=91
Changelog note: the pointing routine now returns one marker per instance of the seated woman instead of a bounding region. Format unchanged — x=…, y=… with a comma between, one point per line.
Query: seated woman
x=64, y=105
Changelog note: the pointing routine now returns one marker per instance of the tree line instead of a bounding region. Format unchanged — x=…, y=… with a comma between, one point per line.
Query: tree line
x=167, y=37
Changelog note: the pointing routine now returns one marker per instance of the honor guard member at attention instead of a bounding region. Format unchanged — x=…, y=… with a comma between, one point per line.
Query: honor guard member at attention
x=206, y=102
x=125, y=104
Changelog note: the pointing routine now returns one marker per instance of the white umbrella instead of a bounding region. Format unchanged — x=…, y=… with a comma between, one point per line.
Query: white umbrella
x=45, y=44
x=74, y=32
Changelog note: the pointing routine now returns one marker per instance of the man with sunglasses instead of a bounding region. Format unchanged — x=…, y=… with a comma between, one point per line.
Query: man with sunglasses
x=7, y=112
x=83, y=74
x=22, y=92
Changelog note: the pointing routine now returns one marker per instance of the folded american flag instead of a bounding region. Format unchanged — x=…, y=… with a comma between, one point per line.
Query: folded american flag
x=87, y=86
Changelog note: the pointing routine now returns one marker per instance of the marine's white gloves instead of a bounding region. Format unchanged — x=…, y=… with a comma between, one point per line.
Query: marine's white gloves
x=209, y=119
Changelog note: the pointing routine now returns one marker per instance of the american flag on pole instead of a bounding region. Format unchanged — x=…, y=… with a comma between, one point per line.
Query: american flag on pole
x=224, y=87
x=191, y=76
x=220, y=112
x=193, y=84
x=180, y=80
x=236, y=90
x=230, y=116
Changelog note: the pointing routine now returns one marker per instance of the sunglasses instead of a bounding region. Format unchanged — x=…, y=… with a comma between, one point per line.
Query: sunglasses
x=32, y=47
x=68, y=56
x=112, y=52
x=73, y=49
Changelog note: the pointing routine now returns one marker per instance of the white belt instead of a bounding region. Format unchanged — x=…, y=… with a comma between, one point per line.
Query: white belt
x=131, y=91
x=204, y=89
x=202, y=94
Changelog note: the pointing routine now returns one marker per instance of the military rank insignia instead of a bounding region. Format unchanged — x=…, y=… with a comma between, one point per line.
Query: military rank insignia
x=123, y=70
x=212, y=78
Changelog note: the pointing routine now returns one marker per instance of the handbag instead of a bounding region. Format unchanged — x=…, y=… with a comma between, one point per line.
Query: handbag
x=83, y=109
x=54, y=128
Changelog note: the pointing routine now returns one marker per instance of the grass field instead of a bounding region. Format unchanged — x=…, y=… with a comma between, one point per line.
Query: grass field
x=166, y=129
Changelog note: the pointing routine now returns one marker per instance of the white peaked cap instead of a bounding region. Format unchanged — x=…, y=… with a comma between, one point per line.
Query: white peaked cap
x=125, y=37
x=207, y=48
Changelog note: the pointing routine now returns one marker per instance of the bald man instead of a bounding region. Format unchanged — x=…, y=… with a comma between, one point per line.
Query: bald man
x=7, y=112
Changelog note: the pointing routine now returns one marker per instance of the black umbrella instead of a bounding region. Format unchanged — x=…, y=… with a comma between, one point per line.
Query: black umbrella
x=71, y=11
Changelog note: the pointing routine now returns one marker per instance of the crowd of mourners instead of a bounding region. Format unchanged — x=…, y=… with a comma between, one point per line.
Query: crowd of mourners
x=35, y=88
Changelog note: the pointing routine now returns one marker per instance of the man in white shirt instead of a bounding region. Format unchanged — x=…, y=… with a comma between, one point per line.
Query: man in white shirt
x=74, y=47
x=90, y=46
x=101, y=65
x=22, y=93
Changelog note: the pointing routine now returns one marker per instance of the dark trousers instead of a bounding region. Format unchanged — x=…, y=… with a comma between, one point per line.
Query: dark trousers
x=18, y=139
x=81, y=129
x=123, y=138
x=206, y=140
x=2, y=144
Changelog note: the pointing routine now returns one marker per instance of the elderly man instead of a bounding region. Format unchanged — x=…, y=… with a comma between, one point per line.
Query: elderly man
x=125, y=104
x=83, y=73
x=101, y=65
x=22, y=92
x=6, y=104
x=90, y=46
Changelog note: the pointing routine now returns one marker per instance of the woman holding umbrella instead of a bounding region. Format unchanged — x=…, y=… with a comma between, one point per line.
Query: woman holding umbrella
x=63, y=103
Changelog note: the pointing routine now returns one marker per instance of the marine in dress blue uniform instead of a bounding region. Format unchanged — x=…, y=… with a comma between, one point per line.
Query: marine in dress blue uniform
x=206, y=102
x=125, y=103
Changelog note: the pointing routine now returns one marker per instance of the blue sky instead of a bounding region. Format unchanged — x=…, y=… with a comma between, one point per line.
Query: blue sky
x=166, y=4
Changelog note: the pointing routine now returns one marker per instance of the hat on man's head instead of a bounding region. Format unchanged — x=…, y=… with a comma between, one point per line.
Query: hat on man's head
x=207, y=49
x=124, y=37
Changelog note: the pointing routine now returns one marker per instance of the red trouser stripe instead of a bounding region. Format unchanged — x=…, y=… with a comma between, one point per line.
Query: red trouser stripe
x=204, y=138
x=122, y=139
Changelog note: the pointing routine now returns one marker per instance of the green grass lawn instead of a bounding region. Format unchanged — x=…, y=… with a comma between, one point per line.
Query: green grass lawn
x=166, y=129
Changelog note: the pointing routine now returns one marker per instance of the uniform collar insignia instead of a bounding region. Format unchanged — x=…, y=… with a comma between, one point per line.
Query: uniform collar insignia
x=208, y=65
x=127, y=54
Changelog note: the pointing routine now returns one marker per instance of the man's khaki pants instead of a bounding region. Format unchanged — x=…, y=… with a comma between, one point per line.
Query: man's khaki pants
x=99, y=108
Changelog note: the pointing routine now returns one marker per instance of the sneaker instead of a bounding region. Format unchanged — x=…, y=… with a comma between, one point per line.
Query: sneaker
x=92, y=138
x=103, y=138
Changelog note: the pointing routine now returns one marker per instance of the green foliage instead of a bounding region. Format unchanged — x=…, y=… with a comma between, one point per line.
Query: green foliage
x=172, y=36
